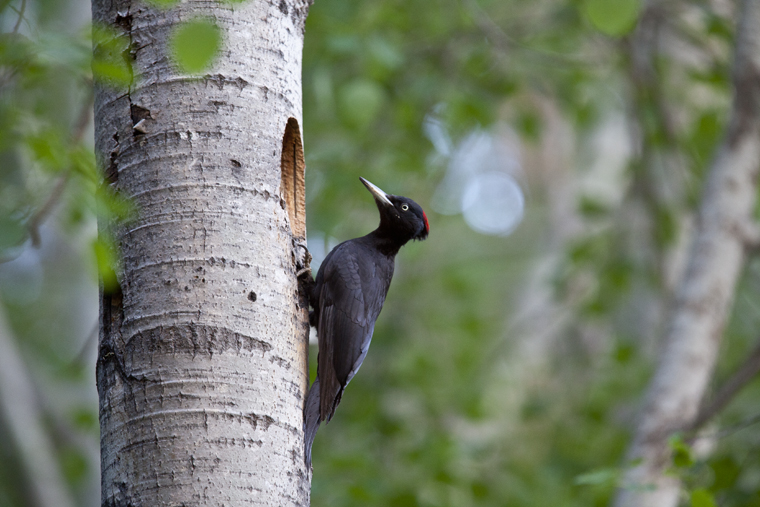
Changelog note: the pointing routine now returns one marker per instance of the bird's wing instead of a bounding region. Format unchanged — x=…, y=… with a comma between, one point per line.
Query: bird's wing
x=350, y=300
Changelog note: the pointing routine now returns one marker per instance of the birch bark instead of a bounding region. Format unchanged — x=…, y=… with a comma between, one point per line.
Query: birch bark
x=705, y=293
x=202, y=365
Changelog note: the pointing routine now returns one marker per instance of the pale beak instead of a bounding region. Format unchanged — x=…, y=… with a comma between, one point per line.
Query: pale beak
x=378, y=194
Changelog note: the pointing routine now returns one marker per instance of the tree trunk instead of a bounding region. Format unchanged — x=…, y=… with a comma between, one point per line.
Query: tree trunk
x=705, y=294
x=202, y=365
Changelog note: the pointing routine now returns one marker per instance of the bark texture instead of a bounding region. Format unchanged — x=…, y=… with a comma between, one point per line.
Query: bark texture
x=202, y=366
x=705, y=294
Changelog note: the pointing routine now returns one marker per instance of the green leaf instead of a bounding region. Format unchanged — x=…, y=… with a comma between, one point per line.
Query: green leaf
x=361, y=101
x=624, y=353
x=12, y=233
x=106, y=262
x=702, y=498
x=111, y=60
x=591, y=207
x=84, y=418
x=596, y=477
x=383, y=53
x=163, y=4
x=612, y=17
x=113, y=205
x=666, y=227
x=725, y=471
x=49, y=149
x=682, y=454
x=194, y=44
x=464, y=110
x=73, y=464
x=529, y=124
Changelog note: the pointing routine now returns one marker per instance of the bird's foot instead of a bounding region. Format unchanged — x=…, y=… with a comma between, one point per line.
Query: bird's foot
x=302, y=261
x=301, y=256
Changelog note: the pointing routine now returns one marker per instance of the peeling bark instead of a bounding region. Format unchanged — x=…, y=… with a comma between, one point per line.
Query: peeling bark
x=704, y=298
x=202, y=365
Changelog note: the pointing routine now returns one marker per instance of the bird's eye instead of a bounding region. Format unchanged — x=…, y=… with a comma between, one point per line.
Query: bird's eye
x=405, y=207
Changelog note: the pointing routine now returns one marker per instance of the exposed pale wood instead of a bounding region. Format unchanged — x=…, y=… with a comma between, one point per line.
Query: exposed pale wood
x=293, y=186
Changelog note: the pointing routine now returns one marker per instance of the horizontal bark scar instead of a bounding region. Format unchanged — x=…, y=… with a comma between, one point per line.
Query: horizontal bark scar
x=262, y=422
x=221, y=81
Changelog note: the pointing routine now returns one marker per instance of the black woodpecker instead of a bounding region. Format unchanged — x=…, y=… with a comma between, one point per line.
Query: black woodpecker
x=347, y=297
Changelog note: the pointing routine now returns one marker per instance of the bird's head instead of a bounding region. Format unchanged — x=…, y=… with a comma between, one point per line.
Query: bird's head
x=400, y=216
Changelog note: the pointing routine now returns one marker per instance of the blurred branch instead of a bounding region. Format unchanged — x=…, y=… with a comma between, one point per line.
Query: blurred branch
x=89, y=342
x=654, y=132
x=24, y=420
x=85, y=114
x=725, y=431
x=705, y=293
x=730, y=430
x=79, y=129
x=44, y=211
x=503, y=44
x=692, y=37
x=488, y=26
x=22, y=9
x=746, y=372
x=642, y=49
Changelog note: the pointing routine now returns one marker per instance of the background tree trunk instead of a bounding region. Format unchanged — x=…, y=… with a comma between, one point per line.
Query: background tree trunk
x=20, y=411
x=202, y=367
x=704, y=298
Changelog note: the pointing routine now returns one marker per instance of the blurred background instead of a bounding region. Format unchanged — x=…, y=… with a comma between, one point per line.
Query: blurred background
x=558, y=148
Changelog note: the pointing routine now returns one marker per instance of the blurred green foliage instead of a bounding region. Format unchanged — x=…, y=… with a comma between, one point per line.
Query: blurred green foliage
x=50, y=193
x=431, y=419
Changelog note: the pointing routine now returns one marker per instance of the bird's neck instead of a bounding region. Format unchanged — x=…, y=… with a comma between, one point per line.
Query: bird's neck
x=385, y=242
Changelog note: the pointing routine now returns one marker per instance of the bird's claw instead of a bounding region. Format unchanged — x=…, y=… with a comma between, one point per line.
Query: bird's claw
x=302, y=260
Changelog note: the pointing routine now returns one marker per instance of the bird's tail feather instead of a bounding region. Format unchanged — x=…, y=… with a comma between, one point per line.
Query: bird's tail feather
x=311, y=419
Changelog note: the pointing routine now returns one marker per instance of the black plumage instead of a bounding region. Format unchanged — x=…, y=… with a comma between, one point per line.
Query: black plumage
x=347, y=297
